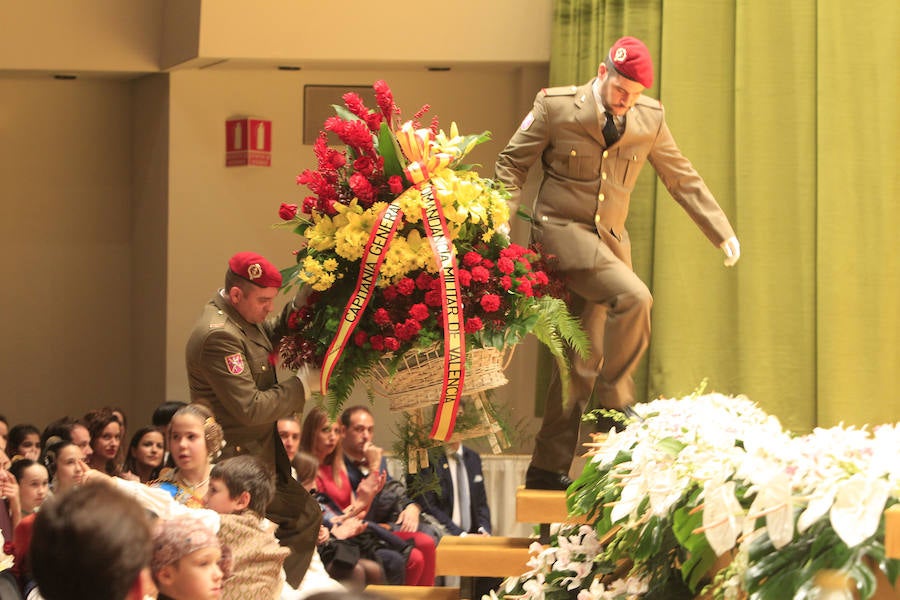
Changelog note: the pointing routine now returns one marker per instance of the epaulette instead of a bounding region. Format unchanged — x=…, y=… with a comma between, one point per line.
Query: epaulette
x=564, y=90
x=646, y=101
x=218, y=321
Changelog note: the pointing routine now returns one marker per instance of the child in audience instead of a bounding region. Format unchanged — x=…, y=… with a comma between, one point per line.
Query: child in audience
x=24, y=441
x=289, y=432
x=240, y=488
x=34, y=484
x=65, y=464
x=194, y=439
x=4, y=433
x=187, y=560
x=145, y=455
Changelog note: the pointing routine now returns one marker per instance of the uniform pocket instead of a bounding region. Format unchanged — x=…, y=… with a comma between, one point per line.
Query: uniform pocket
x=582, y=161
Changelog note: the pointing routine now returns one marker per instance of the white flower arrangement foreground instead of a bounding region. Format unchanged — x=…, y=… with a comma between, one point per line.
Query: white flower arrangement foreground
x=710, y=493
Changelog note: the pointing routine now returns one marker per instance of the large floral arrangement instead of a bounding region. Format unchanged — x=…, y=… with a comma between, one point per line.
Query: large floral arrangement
x=711, y=491
x=402, y=170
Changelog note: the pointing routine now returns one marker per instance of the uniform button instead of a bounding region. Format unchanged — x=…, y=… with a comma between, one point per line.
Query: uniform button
x=596, y=218
x=219, y=312
x=605, y=153
x=573, y=153
x=634, y=157
x=603, y=176
x=601, y=197
x=264, y=367
x=544, y=218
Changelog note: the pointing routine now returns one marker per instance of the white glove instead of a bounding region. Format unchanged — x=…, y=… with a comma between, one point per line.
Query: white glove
x=503, y=229
x=732, y=249
x=311, y=378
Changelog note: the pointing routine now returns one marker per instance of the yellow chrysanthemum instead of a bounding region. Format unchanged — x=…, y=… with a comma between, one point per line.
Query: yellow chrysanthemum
x=411, y=204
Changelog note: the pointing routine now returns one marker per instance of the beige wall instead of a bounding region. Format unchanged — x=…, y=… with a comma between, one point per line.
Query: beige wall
x=65, y=238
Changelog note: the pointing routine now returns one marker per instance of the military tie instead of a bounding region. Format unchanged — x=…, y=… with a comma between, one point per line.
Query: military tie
x=462, y=494
x=610, y=131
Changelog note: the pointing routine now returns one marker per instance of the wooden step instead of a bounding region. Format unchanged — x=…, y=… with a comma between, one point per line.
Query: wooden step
x=482, y=556
x=543, y=506
x=414, y=592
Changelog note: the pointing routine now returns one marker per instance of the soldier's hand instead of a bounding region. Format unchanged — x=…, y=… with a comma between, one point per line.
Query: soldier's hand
x=311, y=378
x=732, y=249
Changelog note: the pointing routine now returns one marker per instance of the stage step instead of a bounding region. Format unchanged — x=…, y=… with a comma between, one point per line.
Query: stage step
x=543, y=506
x=414, y=592
x=482, y=556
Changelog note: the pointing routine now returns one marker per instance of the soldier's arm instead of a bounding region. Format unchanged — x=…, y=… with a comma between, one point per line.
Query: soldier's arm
x=523, y=150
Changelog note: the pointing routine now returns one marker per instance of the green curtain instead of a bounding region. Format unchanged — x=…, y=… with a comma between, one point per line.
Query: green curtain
x=784, y=108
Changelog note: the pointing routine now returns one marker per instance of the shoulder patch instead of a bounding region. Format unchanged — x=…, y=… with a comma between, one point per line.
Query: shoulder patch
x=235, y=363
x=527, y=121
x=565, y=90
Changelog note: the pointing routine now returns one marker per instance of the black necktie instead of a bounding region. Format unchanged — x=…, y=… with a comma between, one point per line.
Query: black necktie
x=610, y=131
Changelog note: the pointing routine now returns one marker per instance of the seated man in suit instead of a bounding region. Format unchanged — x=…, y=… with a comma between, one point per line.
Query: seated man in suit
x=460, y=503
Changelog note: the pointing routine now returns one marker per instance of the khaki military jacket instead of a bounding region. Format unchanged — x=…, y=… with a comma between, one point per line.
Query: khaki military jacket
x=586, y=188
x=229, y=371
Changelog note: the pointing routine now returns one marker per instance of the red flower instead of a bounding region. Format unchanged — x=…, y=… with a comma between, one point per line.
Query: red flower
x=292, y=319
x=419, y=312
x=364, y=165
x=524, y=287
x=487, y=264
x=360, y=337
x=541, y=278
x=406, y=286
x=490, y=302
x=361, y=187
x=474, y=324
x=391, y=344
x=373, y=121
x=465, y=277
x=424, y=280
x=407, y=330
x=287, y=211
x=381, y=317
x=471, y=259
x=395, y=183
x=512, y=251
x=433, y=298
x=390, y=293
x=506, y=265
x=480, y=274
x=355, y=104
x=506, y=282
x=377, y=342
x=385, y=99
x=309, y=204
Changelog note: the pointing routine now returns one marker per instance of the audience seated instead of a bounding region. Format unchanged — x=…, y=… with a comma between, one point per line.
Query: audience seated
x=187, y=561
x=34, y=484
x=106, y=437
x=194, y=438
x=144, y=458
x=25, y=441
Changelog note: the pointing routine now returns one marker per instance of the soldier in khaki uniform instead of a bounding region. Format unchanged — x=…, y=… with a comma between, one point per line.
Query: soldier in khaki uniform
x=592, y=142
x=230, y=371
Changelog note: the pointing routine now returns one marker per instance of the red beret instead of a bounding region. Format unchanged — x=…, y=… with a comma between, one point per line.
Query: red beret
x=631, y=59
x=255, y=269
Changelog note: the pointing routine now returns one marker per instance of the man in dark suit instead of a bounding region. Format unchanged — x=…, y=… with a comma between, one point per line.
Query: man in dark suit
x=592, y=141
x=460, y=504
x=230, y=372
x=461, y=481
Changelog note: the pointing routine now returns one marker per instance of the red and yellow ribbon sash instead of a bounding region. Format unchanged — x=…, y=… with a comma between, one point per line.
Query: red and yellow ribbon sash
x=425, y=161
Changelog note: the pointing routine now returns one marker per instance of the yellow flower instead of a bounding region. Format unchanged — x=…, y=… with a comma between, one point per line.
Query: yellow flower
x=352, y=234
x=314, y=275
x=320, y=236
x=330, y=265
x=411, y=204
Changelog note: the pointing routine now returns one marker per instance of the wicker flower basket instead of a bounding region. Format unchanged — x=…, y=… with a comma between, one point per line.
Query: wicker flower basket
x=418, y=381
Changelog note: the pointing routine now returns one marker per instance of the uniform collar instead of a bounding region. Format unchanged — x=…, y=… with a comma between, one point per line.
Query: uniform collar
x=251, y=330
